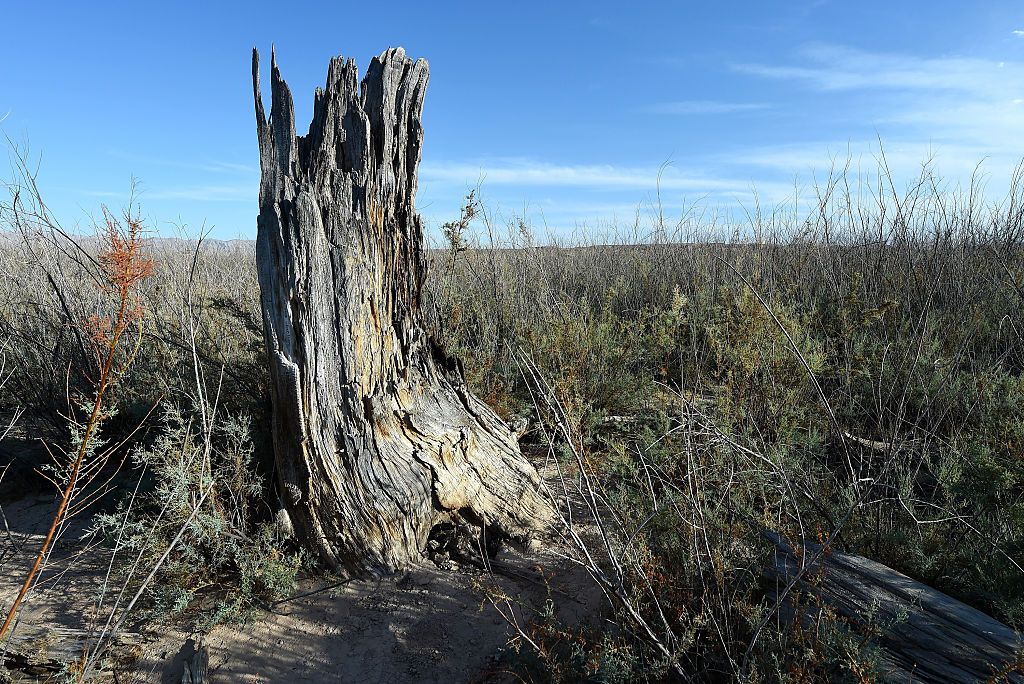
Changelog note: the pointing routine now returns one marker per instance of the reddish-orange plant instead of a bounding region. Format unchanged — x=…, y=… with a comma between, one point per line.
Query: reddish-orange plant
x=123, y=265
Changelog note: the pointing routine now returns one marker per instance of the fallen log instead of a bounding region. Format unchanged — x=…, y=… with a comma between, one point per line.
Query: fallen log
x=40, y=651
x=926, y=636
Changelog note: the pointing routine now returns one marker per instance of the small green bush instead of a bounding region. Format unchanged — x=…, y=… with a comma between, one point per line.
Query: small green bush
x=226, y=554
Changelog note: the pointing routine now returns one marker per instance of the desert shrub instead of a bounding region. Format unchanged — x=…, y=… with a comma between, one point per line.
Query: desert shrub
x=855, y=377
x=229, y=561
x=850, y=370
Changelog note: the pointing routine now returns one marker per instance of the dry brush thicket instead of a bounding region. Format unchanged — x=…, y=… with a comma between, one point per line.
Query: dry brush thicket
x=851, y=378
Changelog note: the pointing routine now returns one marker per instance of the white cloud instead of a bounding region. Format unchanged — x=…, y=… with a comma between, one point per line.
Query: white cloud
x=228, y=167
x=950, y=113
x=703, y=107
x=594, y=177
x=511, y=172
x=1018, y=32
x=205, y=193
x=209, y=166
x=198, y=193
x=833, y=68
x=601, y=199
x=864, y=157
x=957, y=111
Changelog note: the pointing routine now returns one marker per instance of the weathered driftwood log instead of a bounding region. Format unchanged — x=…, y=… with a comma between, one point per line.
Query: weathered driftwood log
x=42, y=651
x=926, y=636
x=376, y=435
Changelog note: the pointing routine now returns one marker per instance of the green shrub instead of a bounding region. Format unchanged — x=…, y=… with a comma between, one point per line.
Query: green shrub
x=226, y=555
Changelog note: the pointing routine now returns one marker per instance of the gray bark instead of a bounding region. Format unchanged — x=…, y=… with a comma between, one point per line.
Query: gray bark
x=41, y=651
x=377, y=438
x=926, y=637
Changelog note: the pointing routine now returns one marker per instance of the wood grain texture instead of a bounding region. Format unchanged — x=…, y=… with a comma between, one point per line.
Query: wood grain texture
x=41, y=651
x=377, y=437
x=927, y=636
x=197, y=668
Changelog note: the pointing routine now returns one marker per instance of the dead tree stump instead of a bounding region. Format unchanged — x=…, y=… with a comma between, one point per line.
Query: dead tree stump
x=377, y=438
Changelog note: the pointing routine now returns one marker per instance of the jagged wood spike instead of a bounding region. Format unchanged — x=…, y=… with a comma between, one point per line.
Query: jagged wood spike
x=377, y=438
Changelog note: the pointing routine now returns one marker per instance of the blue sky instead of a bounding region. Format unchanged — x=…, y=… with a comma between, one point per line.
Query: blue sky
x=565, y=111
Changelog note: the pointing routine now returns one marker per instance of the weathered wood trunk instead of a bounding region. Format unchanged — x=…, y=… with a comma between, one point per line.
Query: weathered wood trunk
x=926, y=637
x=376, y=435
x=43, y=651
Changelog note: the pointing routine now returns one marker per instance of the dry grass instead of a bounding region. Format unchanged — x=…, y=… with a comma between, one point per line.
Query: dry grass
x=851, y=373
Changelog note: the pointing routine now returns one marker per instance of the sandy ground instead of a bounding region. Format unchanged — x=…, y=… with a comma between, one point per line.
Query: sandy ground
x=426, y=625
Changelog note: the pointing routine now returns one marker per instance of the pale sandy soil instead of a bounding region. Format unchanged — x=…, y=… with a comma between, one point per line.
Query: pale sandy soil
x=427, y=625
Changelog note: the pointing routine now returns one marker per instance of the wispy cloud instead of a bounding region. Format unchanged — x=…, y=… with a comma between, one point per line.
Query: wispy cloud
x=1018, y=32
x=208, y=166
x=228, y=167
x=564, y=196
x=206, y=193
x=833, y=68
x=865, y=158
x=957, y=110
x=703, y=107
x=527, y=173
x=196, y=193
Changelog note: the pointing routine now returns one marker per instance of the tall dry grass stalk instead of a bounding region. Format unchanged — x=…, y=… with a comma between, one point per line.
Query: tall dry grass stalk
x=123, y=266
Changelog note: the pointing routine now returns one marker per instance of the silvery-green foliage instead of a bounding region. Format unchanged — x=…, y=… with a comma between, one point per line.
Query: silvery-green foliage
x=226, y=542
